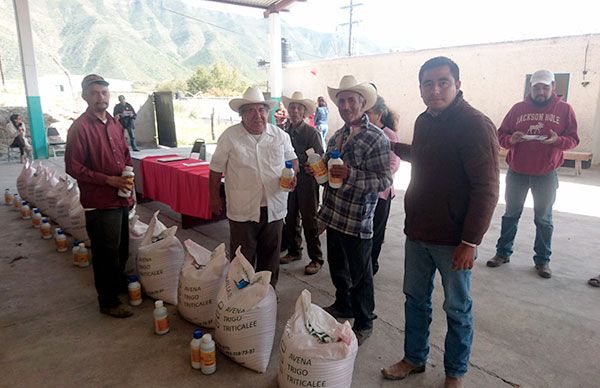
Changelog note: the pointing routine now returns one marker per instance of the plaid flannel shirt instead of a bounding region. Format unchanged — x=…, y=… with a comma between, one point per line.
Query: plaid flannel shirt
x=350, y=208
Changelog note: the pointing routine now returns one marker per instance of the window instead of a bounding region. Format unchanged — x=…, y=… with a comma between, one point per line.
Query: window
x=561, y=82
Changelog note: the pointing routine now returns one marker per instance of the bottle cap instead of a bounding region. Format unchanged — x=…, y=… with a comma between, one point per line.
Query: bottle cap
x=158, y=304
x=36, y=210
x=335, y=154
x=129, y=168
x=60, y=231
x=310, y=151
x=133, y=278
x=207, y=338
x=81, y=245
x=288, y=164
x=45, y=220
x=24, y=203
x=197, y=334
x=76, y=243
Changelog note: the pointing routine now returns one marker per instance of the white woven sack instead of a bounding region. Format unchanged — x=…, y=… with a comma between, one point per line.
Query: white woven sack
x=76, y=224
x=160, y=257
x=24, y=178
x=58, y=192
x=246, y=314
x=37, y=176
x=65, y=204
x=137, y=231
x=202, y=276
x=316, y=350
x=41, y=190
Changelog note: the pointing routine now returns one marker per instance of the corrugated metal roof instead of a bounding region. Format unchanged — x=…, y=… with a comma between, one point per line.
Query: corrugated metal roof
x=268, y=5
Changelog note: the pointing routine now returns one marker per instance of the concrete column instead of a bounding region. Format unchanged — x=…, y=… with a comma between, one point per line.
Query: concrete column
x=275, y=71
x=34, y=105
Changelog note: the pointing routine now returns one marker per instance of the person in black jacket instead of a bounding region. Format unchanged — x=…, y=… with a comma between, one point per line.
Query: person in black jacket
x=449, y=204
x=125, y=113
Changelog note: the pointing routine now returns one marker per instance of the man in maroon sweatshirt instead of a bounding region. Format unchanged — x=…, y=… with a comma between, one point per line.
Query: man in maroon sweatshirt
x=535, y=131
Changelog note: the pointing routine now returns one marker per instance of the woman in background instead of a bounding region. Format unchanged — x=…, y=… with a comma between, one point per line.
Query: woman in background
x=16, y=130
x=320, y=119
x=385, y=119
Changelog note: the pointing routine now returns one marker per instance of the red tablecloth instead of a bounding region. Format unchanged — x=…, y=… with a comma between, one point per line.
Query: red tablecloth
x=183, y=188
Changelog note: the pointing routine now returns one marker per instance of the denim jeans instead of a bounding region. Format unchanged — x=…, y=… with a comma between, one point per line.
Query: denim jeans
x=420, y=263
x=543, y=189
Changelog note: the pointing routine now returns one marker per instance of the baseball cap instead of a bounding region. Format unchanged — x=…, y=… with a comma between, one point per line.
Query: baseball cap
x=92, y=79
x=545, y=77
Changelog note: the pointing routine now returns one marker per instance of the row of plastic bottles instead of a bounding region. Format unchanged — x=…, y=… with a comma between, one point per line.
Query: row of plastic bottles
x=317, y=165
x=202, y=347
x=81, y=256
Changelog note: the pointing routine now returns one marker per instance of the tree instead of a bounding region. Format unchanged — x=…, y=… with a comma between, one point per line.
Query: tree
x=220, y=80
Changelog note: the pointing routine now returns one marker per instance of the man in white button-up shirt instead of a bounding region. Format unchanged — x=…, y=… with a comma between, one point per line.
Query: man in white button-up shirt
x=251, y=155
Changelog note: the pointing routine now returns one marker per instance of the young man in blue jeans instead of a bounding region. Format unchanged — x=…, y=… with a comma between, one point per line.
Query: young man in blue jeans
x=449, y=205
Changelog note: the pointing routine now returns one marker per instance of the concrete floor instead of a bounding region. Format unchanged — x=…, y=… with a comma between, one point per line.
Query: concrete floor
x=529, y=332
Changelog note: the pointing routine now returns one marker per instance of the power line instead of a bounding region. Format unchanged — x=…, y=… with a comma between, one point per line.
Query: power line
x=202, y=21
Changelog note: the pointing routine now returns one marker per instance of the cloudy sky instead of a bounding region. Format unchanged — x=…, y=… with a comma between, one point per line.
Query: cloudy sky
x=402, y=24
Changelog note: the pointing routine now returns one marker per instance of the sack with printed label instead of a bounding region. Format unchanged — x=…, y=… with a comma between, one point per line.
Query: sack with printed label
x=64, y=205
x=160, y=257
x=55, y=194
x=201, y=278
x=316, y=350
x=37, y=176
x=246, y=314
x=137, y=231
x=76, y=224
x=41, y=190
x=24, y=178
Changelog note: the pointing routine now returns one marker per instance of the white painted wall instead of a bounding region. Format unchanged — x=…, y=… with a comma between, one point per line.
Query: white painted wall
x=492, y=75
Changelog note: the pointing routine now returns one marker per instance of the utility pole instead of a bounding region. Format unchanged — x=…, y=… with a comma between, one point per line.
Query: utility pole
x=350, y=8
x=2, y=74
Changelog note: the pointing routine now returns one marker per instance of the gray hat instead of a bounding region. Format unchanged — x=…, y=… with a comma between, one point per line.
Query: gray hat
x=92, y=79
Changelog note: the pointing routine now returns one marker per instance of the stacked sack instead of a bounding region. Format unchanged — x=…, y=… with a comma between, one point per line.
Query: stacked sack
x=55, y=194
x=202, y=276
x=46, y=183
x=38, y=175
x=316, y=350
x=137, y=231
x=246, y=313
x=24, y=179
x=160, y=257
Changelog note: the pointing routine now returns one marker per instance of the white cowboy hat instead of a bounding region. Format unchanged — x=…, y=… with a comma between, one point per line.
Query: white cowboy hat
x=349, y=83
x=297, y=97
x=252, y=95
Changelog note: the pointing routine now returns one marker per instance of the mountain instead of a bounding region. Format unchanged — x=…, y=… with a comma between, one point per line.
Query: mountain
x=149, y=40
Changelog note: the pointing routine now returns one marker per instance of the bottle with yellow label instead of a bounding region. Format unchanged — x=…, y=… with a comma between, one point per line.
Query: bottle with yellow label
x=46, y=229
x=60, y=240
x=335, y=183
x=8, y=198
x=129, y=174
x=36, y=218
x=287, y=176
x=25, y=211
x=317, y=165
x=161, y=322
x=83, y=256
x=134, y=289
x=195, y=349
x=207, y=355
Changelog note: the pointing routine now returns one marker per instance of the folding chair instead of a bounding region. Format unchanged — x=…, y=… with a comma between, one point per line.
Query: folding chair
x=199, y=148
x=55, y=142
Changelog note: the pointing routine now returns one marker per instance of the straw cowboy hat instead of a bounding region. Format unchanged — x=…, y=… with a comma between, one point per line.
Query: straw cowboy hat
x=252, y=95
x=298, y=98
x=349, y=83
